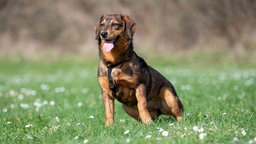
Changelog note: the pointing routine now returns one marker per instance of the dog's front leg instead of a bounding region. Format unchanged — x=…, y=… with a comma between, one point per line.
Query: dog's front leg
x=108, y=108
x=142, y=104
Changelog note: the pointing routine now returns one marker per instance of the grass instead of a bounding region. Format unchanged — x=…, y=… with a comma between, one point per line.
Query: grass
x=58, y=101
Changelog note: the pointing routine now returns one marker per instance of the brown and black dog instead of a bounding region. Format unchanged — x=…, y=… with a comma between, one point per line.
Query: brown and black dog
x=122, y=75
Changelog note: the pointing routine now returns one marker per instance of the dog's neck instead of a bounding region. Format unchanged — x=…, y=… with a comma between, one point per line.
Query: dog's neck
x=121, y=52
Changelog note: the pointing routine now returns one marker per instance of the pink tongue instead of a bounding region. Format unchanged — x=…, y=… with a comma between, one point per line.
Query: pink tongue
x=108, y=46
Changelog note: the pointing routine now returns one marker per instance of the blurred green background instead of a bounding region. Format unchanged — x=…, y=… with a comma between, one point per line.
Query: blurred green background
x=35, y=29
x=48, y=70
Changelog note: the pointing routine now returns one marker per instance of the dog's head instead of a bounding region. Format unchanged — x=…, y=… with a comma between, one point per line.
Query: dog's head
x=111, y=28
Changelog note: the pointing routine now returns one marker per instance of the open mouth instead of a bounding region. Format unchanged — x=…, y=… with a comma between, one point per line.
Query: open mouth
x=109, y=44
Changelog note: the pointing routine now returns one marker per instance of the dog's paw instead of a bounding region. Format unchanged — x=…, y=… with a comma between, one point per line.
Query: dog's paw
x=147, y=121
x=179, y=118
x=109, y=123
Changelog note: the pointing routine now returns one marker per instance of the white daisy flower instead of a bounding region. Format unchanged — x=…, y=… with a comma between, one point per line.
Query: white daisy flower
x=165, y=133
x=52, y=103
x=59, y=90
x=195, y=128
x=24, y=105
x=128, y=140
x=4, y=110
x=29, y=136
x=172, y=124
x=160, y=129
x=183, y=135
x=45, y=102
x=57, y=119
x=202, y=135
x=243, y=132
x=201, y=130
x=45, y=87
x=85, y=141
x=28, y=125
x=79, y=104
x=148, y=136
x=126, y=132
x=250, y=142
x=235, y=139
x=20, y=97
x=158, y=138
x=76, y=137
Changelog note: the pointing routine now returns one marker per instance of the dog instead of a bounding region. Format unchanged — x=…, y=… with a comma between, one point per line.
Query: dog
x=123, y=75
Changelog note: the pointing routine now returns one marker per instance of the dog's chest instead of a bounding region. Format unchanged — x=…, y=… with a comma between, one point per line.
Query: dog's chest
x=124, y=76
x=125, y=83
x=119, y=75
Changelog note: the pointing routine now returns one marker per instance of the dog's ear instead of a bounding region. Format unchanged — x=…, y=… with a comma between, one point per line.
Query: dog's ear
x=97, y=28
x=129, y=26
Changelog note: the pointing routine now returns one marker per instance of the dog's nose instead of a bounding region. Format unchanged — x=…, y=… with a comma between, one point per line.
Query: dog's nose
x=104, y=34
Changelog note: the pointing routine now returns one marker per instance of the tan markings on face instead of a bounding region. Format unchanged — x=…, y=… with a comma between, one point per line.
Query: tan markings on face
x=103, y=24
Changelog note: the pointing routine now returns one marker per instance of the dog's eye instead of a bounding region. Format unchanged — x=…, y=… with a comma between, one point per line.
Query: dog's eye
x=102, y=25
x=115, y=26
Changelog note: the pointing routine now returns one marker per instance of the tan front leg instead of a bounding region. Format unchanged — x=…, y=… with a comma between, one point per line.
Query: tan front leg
x=108, y=101
x=108, y=108
x=142, y=104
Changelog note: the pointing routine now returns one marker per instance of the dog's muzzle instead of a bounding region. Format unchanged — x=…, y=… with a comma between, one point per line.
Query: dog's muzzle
x=104, y=35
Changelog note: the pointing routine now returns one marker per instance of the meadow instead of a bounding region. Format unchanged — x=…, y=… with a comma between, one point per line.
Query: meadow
x=58, y=101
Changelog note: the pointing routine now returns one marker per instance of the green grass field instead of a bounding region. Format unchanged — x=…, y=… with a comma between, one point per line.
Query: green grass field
x=58, y=101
